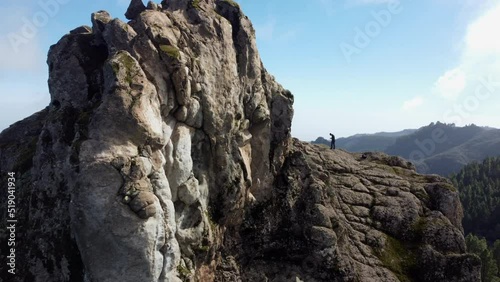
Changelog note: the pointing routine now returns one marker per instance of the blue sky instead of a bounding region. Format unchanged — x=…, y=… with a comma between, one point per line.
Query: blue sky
x=354, y=66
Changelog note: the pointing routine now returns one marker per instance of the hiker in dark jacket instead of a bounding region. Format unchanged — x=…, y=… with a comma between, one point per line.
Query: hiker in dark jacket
x=332, y=145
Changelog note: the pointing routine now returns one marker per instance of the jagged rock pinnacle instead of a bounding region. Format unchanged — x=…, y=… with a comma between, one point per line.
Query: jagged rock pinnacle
x=134, y=9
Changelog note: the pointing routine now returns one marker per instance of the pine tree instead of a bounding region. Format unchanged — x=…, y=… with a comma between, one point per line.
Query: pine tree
x=479, y=187
x=489, y=266
x=496, y=255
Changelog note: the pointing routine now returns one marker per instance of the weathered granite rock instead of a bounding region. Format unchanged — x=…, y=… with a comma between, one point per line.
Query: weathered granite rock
x=165, y=155
x=337, y=216
x=135, y=8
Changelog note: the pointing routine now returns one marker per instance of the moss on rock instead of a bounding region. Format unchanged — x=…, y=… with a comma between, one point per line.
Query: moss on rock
x=195, y=4
x=398, y=258
x=170, y=50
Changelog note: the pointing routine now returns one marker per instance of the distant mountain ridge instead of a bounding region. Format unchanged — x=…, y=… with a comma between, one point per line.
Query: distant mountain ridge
x=436, y=148
x=379, y=141
x=388, y=134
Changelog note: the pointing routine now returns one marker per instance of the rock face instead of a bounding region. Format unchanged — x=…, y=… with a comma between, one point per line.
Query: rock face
x=338, y=216
x=165, y=155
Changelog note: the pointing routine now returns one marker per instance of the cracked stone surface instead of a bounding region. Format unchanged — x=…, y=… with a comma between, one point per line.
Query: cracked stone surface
x=339, y=216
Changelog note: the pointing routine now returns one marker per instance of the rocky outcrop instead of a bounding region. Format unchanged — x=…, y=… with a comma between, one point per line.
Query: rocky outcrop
x=338, y=216
x=135, y=8
x=165, y=155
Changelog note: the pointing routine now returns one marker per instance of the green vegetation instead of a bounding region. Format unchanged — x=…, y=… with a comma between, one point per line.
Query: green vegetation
x=479, y=187
x=203, y=248
x=128, y=63
x=422, y=195
x=116, y=68
x=399, y=259
x=490, y=257
x=195, y=4
x=211, y=221
x=496, y=254
x=419, y=226
x=183, y=271
x=171, y=51
x=449, y=187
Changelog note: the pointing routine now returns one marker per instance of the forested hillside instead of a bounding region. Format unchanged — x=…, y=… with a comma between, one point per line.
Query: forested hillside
x=479, y=187
x=489, y=255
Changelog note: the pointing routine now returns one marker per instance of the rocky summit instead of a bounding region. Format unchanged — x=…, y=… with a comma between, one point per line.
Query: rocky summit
x=166, y=155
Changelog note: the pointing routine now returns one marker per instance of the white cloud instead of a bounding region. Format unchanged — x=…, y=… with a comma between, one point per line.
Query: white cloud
x=475, y=82
x=482, y=36
x=413, y=103
x=480, y=57
x=451, y=84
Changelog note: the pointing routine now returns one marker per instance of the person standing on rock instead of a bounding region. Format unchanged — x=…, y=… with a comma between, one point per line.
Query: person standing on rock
x=332, y=145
